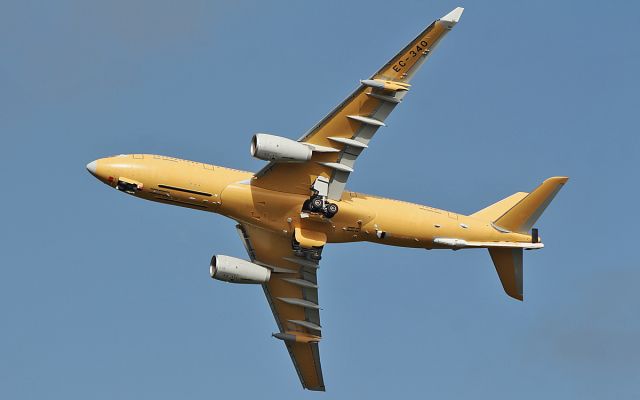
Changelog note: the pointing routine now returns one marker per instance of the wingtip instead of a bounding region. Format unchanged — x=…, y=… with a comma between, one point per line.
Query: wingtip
x=559, y=179
x=453, y=16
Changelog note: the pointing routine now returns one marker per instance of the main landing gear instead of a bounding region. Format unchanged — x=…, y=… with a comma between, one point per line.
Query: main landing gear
x=309, y=254
x=318, y=202
x=320, y=206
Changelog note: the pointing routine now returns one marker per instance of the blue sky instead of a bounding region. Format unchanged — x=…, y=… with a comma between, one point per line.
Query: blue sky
x=105, y=296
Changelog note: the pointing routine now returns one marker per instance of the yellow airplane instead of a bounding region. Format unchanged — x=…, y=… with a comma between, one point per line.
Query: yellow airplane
x=297, y=203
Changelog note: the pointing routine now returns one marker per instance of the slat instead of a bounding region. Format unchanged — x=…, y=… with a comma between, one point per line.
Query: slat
x=301, y=282
x=348, y=142
x=366, y=120
x=338, y=166
x=306, y=324
x=299, y=302
x=302, y=261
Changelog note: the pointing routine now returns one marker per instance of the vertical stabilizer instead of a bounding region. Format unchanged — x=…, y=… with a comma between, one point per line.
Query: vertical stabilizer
x=508, y=263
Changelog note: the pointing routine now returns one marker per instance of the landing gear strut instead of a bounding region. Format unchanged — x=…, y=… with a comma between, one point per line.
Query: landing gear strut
x=312, y=253
x=318, y=202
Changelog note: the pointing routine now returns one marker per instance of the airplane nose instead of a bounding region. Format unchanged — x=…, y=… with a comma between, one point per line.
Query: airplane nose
x=91, y=167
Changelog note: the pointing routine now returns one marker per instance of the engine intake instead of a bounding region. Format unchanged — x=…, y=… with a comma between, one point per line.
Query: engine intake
x=235, y=270
x=277, y=148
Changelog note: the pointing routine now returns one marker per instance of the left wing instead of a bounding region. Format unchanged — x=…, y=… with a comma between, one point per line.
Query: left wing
x=292, y=293
x=342, y=135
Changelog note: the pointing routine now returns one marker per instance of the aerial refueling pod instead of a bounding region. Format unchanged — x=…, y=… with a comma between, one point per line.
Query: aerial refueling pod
x=235, y=270
x=276, y=148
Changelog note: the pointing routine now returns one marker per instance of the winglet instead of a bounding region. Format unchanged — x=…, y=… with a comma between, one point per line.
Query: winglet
x=453, y=16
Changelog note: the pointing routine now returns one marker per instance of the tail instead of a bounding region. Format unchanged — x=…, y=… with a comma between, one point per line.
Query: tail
x=522, y=211
x=521, y=217
x=508, y=263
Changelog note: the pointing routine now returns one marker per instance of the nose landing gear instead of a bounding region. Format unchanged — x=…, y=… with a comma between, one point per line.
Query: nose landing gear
x=128, y=186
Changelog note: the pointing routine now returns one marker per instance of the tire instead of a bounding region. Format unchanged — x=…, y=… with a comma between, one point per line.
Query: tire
x=315, y=204
x=332, y=209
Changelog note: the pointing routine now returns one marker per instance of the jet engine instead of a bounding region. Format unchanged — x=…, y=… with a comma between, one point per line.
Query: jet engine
x=277, y=148
x=235, y=270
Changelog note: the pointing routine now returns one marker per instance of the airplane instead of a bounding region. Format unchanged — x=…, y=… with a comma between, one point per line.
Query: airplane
x=289, y=210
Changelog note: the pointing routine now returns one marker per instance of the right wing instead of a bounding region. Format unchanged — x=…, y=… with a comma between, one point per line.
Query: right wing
x=292, y=292
x=340, y=137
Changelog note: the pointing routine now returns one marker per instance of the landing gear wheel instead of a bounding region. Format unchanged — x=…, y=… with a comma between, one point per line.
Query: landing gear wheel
x=315, y=204
x=332, y=209
x=306, y=206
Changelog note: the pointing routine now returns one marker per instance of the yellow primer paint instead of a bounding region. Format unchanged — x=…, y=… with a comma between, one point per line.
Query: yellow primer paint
x=310, y=238
x=230, y=193
x=393, y=86
x=280, y=236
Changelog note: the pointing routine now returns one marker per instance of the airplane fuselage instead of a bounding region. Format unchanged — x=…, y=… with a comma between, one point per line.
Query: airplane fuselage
x=229, y=192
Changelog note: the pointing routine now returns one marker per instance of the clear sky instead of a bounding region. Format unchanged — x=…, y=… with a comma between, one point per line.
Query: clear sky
x=105, y=296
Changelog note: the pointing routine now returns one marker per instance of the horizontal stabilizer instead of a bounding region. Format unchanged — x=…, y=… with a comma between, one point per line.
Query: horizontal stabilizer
x=521, y=217
x=498, y=209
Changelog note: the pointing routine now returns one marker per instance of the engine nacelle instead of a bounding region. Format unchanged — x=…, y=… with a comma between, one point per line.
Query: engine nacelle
x=277, y=148
x=235, y=270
